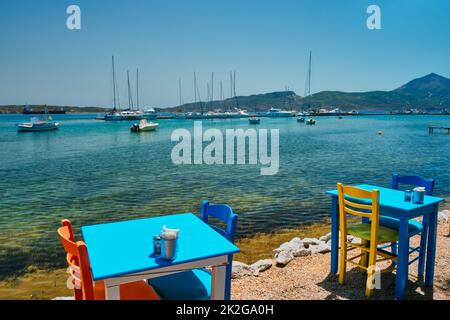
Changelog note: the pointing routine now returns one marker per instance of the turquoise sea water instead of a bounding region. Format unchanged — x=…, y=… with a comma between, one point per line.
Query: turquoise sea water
x=92, y=172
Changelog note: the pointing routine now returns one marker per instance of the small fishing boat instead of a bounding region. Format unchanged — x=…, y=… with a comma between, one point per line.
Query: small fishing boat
x=38, y=125
x=144, y=126
x=254, y=120
x=311, y=122
x=301, y=119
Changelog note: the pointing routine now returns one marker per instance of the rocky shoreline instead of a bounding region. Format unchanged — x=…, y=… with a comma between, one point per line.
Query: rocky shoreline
x=305, y=263
x=299, y=269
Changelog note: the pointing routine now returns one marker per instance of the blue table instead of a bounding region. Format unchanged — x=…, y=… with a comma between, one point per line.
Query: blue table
x=122, y=252
x=392, y=204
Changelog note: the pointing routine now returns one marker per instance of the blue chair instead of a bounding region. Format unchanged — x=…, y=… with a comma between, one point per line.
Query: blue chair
x=414, y=227
x=196, y=284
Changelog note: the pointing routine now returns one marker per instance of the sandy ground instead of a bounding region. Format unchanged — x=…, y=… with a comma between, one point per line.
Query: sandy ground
x=304, y=278
x=309, y=278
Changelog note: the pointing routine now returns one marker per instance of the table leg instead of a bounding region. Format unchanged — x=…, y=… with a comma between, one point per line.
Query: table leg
x=423, y=246
x=334, y=234
x=218, y=282
x=112, y=292
x=402, y=259
x=431, y=247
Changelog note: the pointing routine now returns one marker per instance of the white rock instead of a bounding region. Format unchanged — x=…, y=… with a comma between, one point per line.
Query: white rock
x=311, y=241
x=261, y=266
x=284, y=257
x=240, y=270
x=326, y=237
x=321, y=248
x=297, y=241
x=444, y=215
x=293, y=245
x=303, y=252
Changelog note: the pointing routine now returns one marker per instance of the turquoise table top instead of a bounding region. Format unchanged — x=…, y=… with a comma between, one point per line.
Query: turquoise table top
x=394, y=198
x=123, y=248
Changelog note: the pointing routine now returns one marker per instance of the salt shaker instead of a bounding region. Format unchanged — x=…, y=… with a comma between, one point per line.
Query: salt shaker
x=408, y=195
x=157, y=245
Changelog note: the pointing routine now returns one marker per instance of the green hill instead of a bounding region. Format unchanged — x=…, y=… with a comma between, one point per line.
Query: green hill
x=427, y=93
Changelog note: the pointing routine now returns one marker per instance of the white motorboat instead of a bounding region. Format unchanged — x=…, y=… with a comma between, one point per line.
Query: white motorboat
x=144, y=126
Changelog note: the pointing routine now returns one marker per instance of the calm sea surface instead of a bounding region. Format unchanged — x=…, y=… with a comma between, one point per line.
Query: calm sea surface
x=92, y=171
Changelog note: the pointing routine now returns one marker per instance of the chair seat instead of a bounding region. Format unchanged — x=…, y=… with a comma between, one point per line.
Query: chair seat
x=414, y=227
x=138, y=290
x=187, y=285
x=362, y=230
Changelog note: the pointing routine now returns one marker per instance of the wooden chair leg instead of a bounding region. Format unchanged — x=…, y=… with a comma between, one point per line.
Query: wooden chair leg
x=343, y=260
x=371, y=269
x=363, y=261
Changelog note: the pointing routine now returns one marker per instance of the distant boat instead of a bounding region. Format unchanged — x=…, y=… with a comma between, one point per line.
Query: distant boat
x=278, y=113
x=150, y=114
x=37, y=125
x=301, y=119
x=194, y=115
x=311, y=122
x=144, y=126
x=254, y=120
x=28, y=110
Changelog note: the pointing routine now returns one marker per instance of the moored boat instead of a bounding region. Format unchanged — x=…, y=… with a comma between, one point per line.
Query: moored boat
x=278, y=113
x=254, y=120
x=144, y=126
x=37, y=125
x=301, y=119
x=311, y=122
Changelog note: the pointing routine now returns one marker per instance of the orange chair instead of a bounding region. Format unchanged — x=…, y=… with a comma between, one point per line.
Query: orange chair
x=80, y=272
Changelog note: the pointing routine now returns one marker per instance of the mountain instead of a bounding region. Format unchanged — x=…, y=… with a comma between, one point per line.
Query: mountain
x=428, y=93
x=258, y=102
x=431, y=84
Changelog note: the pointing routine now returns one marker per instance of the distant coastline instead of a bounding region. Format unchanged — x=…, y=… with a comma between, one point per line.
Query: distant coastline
x=427, y=95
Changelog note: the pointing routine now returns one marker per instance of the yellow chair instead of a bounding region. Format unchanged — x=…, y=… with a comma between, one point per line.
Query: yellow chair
x=364, y=204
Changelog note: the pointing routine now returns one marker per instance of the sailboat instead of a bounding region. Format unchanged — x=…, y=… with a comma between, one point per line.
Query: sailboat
x=36, y=124
x=130, y=113
x=113, y=115
x=181, y=115
x=196, y=115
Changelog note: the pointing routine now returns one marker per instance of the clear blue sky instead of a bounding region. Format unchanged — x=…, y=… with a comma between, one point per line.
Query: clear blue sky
x=267, y=42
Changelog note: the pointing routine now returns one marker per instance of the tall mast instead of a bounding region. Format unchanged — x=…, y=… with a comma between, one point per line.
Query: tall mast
x=234, y=83
x=231, y=87
x=179, y=91
x=195, y=88
x=222, y=97
x=208, y=94
x=130, y=97
x=234, y=89
x=137, y=89
x=308, y=77
x=114, y=84
x=212, y=89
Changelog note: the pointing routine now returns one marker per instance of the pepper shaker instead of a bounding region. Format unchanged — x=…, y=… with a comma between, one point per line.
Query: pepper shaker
x=157, y=245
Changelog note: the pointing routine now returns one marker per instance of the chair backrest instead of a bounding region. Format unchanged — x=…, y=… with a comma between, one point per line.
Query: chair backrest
x=361, y=203
x=225, y=214
x=417, y=181
x=78, y=261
